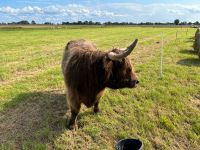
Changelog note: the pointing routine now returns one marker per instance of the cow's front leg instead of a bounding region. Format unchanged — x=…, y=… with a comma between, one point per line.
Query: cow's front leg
x=96, y=104
x=73, y=118
x=96, y=107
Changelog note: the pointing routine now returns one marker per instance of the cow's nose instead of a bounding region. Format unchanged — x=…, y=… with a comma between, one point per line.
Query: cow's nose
x=137, y=82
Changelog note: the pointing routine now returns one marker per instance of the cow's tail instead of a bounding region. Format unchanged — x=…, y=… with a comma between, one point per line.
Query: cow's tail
x=67, y=46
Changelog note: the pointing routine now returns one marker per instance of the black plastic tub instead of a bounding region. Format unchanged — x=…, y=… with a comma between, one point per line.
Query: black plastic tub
x=129, y=144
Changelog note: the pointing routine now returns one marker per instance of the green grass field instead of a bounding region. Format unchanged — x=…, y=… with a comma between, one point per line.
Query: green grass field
x=163, y=112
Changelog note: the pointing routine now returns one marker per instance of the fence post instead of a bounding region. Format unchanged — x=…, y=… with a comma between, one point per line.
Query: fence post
x=161, y=57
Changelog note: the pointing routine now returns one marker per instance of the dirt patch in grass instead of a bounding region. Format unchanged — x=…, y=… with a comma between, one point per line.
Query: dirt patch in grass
x=22, y=75
x=39, y=118
x=195, y=102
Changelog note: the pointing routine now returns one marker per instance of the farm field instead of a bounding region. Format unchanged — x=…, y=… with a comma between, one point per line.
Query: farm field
x=163, y=112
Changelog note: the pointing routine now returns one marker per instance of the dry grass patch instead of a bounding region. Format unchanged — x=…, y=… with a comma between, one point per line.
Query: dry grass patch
x=39, y=119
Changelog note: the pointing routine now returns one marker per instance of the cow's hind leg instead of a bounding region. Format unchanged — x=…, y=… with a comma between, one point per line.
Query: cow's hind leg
x=74, y=113
x=75, y=109
x=96, y=107
x=96, y=104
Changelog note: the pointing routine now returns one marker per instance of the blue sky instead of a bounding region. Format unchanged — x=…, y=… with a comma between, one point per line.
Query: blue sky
x=137, y=11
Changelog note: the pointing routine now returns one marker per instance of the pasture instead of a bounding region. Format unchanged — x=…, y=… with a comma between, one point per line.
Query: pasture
x=163, y=112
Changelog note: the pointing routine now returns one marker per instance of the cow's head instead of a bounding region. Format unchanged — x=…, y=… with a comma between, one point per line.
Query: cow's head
x=121, y=74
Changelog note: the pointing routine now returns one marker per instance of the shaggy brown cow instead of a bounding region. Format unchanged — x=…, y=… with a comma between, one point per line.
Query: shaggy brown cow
x=87, y=72
x=196, y=40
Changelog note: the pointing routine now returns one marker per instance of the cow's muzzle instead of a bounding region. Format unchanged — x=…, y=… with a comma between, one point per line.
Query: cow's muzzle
x=133, y=83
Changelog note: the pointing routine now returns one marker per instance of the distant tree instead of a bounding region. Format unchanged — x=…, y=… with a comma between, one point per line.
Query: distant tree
x=196, y=23
x=124, y=23
x=115, y=23
x=22, y=22
x=79, y=22
x=149, y=23
x=90, y=23
x=183, y=23
x=33, y=22
x=73, y=23
x=48, y=23
x=97, y=23
x=131, y=23
x=157, y=23
x=65, y=23
x=108, y=23
x=85, y=22
x=176, y=21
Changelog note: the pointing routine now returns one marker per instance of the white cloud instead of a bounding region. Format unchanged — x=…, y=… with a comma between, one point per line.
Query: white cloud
x=30, y=10
x=28, y=2
x=127, y=6
x=71, y=12
x=25, y=10
x=157, y=12
x=9, y=10
x=130, y=12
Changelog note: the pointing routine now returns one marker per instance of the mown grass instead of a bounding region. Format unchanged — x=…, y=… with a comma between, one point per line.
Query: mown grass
x=162, y=112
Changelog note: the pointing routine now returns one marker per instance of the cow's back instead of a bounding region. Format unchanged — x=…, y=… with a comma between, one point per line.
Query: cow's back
x=74, y=47
x=81, y=45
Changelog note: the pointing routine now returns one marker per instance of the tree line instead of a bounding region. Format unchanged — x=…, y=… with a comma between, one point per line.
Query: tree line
x=176, y=22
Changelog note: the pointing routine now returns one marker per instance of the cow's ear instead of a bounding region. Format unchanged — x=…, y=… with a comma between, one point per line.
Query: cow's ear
x=106, y=58
x=123, y=60
x=107, y=61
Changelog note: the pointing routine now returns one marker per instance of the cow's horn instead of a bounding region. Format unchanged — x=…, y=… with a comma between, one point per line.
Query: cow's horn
x=114, y=56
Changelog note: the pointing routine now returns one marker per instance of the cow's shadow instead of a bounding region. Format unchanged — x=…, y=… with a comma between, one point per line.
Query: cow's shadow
x=189, y=52
x=189, y=62
x=36, y=117
x=190, y=40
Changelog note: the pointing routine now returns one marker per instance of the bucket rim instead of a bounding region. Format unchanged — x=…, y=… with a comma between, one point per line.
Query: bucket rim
x=123, y=140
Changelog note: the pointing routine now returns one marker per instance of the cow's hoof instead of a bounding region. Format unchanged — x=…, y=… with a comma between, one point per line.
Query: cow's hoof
x=72, y=126
x=96, y=110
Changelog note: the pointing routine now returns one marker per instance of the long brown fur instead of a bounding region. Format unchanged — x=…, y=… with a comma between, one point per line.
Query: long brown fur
x=87, y=72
